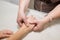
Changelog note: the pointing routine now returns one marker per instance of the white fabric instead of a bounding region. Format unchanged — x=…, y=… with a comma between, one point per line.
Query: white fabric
x=8, y=16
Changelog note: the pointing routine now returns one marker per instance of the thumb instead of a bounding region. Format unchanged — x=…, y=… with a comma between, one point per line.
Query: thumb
x=7, y=36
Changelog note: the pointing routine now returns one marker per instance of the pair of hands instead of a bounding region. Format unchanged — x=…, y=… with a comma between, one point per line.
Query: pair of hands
x=38, y=24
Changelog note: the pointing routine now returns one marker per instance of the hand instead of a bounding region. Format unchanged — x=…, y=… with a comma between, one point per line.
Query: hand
x=5, y=34
x=40, y=24
x=29, y=26
x=21, y=19
x=31, y=19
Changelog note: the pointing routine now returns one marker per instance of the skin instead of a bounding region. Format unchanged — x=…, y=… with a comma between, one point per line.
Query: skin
x=23, y=6
x=22, y=32
x=54, y=14
x=5, y=34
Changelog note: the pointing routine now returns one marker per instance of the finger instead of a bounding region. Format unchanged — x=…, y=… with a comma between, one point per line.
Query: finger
x=19, y=22
x=7, y=36
x=31, y=26
x=23, y=26
x=26, y=22
x=29, y=19
x=37, y=28
x=9, y=32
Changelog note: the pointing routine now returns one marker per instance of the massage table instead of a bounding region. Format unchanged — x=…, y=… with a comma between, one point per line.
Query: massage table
x=8, y=18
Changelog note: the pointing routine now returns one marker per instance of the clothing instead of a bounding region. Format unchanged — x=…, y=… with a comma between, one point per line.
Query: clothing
x=45, y=5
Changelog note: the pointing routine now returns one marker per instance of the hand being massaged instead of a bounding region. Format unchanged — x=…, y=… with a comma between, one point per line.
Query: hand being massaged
x=23, y=30
x=38, y=25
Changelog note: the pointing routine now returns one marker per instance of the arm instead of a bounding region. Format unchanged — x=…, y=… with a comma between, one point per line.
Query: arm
x=54, y=14
x=23, y=5
x=21, y=33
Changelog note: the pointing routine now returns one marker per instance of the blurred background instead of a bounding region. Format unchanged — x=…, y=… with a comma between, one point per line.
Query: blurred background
x=17, y=2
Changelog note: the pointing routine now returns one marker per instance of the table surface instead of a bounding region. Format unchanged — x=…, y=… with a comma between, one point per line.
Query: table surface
x=8, y=16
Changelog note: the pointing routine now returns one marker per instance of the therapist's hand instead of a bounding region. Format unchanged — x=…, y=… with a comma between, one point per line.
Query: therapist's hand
x=21, y=18
x=40, y=24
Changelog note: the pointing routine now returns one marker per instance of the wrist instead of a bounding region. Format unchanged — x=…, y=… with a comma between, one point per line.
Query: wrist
x=21, y=14
x=48, y=19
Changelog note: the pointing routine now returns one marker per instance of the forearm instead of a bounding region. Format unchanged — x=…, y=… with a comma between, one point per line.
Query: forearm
x=54, y=14
x=20, y=34
x=23, y=5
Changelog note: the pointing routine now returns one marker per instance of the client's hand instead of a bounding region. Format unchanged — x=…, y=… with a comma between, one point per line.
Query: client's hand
x=30, y=25
x=22, y=32
x=5, y=34
x=27, y=28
